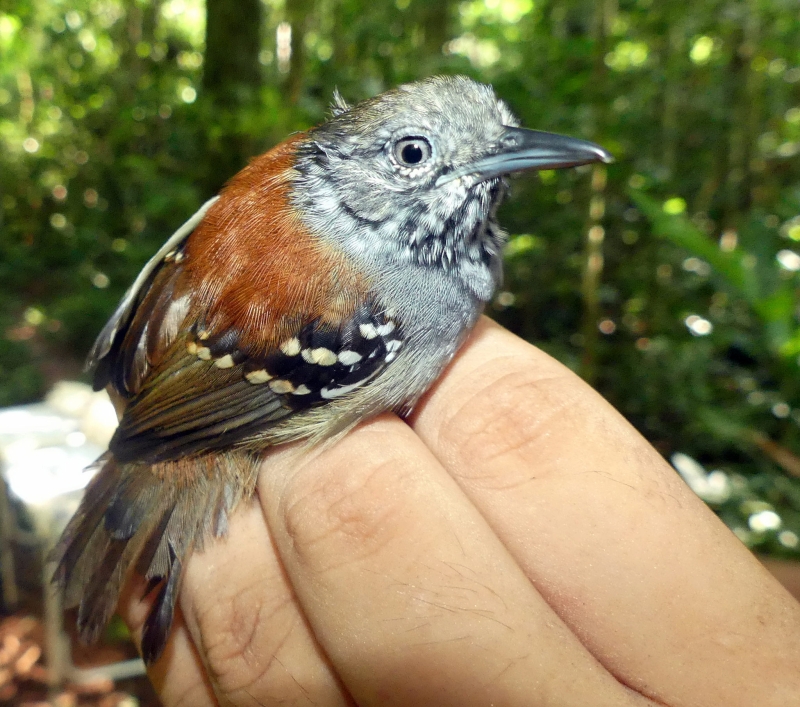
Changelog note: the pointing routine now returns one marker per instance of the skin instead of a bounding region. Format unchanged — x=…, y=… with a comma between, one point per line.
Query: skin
x=516, y=543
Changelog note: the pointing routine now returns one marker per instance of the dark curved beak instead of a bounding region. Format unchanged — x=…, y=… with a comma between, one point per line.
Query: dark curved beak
x=520, y=149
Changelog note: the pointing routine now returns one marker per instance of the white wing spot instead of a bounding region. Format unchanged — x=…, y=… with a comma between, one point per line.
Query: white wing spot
x=291, y=347
x=348, y=358
x=323, y=356
x=191, y=347
x=260, y=376
x=385, y=329
x=393, y=345
x=203, y=352
x=225, y=361
x=281, y=386
x=368, y=331
x=301, y=390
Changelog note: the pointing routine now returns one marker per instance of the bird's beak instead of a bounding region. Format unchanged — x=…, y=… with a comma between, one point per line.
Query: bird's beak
x=520, y=149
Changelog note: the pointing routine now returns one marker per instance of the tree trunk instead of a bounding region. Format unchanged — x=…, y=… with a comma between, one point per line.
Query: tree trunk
x=231, y=82
x=232, y=75
x=298, y=13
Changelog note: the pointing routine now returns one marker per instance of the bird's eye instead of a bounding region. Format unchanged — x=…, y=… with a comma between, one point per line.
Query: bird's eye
x=412, y=151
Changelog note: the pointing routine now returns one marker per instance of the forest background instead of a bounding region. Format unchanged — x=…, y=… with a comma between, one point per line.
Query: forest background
x=668, y=280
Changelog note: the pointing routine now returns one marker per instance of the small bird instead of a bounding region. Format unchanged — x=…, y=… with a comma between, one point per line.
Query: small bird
x=332, y=279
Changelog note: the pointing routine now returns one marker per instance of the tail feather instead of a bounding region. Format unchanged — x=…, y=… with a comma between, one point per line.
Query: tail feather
x=80, y=530
x=111, y=569
x=147, y=519
x=99, y=600
x=159, y=622
x=135, y=497
x=146, y=557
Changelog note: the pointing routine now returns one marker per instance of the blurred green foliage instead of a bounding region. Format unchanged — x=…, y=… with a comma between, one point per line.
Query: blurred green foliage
x=669, y=279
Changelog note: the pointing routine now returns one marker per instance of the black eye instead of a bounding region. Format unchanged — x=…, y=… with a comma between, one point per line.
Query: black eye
x=412, y=151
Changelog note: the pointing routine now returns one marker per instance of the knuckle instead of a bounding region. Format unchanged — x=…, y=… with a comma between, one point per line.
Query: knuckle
x=342, y=514
x=242, y=637
x=509, y=415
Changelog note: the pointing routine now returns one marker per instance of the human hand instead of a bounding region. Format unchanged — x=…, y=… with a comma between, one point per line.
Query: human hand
x=517, y=543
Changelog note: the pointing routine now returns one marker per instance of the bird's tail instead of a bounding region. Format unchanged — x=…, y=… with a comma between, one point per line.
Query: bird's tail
x=145, y=518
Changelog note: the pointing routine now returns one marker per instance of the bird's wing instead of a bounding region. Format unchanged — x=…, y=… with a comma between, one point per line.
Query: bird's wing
x=194, y=380
x=124, y=311
x=208, y=394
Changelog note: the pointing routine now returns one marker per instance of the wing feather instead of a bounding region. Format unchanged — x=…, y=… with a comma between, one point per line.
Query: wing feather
x=125, y=310
x=191, y=405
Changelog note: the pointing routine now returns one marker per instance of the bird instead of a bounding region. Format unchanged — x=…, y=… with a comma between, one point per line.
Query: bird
x=332, y=279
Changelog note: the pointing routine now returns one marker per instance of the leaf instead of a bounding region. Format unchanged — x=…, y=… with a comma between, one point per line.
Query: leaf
x=682, y=232
x=772, y=300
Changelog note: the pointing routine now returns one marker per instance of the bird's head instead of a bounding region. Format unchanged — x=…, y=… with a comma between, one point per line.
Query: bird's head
x=418, y=172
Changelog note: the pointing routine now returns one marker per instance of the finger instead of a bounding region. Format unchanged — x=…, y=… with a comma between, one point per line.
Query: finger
x=243, y=616
x=409, y=592
x=251, y=639
x=636, y=565
x=178, y=676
